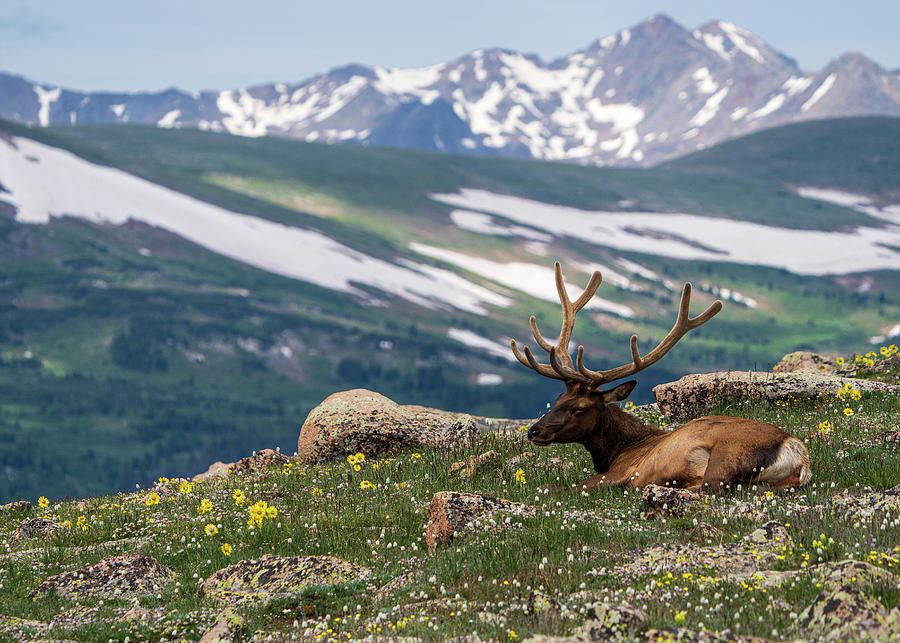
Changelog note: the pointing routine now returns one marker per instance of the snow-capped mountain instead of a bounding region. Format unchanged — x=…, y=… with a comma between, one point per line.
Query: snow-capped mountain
x=644, y=94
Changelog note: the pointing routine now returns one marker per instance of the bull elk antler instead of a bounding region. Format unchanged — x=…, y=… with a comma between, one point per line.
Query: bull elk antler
x=560, y=366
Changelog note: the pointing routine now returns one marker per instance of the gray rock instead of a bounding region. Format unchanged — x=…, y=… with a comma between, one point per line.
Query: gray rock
x=364, y=421
x=270, y=576
x=113, y=577
x=694, y=395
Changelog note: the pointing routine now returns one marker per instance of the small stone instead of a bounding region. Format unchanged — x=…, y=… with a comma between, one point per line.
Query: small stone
x=227, y=629
x=657, y=500
x=466, y=468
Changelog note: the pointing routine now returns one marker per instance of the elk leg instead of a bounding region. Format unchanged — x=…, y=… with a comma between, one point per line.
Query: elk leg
x=727, y=464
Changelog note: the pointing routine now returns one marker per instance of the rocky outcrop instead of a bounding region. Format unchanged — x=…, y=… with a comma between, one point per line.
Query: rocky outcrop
x=35, y=529
x=452, y=513
x=267, y=577
x=876, y=503
x=755, y=551
x=259, y=460
x=848, y=614
x=113, y=577
x=13, y=507
x=807, y=361
x=364, y=421
x=694, y=395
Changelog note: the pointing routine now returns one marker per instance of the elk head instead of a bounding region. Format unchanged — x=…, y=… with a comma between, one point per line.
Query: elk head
x=584, y=413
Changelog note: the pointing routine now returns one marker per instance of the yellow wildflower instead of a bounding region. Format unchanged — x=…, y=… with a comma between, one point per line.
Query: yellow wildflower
x=520, y=476
x=226, y=549
x=43, y=503
x=151, y=499
x=238, y=497
x=205, y=506
x=365, y=484
x=211, y=529
x=186, y=487
x=848, y=411
x=163, y=480
x=316, y=491
x=840, y=361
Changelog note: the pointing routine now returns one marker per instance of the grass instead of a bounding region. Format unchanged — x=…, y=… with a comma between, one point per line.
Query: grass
x=482, y=581
x=73, y=293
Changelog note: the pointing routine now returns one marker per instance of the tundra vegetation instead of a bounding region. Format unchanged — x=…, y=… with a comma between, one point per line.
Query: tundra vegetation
x=540, y=572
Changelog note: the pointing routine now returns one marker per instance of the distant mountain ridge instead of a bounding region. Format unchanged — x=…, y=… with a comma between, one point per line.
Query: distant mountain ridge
x=643, y=95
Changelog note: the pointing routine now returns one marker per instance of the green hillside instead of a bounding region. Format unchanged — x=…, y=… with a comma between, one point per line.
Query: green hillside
x=859, y=155
x=118, y=367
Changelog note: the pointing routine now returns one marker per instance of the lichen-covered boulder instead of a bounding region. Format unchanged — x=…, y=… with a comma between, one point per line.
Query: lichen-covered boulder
x=364, y=421
x=847, y=614
x=126, y=575
x=753, y=552
x=805, y=361
x=452, y=513
x=14, y=507
x=35, y=529
x=270, y=576
x=694, y=395
x=876, y=503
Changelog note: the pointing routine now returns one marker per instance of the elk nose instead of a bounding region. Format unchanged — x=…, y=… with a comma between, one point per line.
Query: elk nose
x=532, y=433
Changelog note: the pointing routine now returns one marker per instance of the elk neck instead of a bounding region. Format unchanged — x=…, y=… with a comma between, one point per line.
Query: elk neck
x=617, y=433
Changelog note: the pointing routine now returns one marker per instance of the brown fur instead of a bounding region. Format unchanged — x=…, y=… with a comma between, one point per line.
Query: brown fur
x=705, y=454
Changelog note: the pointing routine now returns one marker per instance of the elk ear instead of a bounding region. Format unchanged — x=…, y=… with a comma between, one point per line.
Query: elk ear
x=620, y=392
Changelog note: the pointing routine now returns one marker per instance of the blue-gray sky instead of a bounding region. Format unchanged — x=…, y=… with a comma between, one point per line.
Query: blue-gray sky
x=199, y=44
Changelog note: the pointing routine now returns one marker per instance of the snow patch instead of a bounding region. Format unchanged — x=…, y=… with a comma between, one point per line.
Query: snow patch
x=485, y=224
x=858, y=202
x=689, y=236
x=796, y=84
x=705, y=83
x=774, y=103
x=529, y=278
x=169, y=119
x=475, y=340
x=118, y=110
x=488, y=379
x=739, y=37
x=45, y=98
x=710, y=108
x=821, y=91
x=64, y=184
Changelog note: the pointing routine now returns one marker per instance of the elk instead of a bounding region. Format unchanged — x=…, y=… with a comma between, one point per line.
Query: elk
x=705, y=454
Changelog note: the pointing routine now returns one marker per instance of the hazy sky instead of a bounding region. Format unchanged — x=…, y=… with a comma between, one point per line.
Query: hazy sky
x=195, y=44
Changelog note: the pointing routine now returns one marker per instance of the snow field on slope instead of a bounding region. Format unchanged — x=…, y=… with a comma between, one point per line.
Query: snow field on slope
x=58, y=183
x=690, y=236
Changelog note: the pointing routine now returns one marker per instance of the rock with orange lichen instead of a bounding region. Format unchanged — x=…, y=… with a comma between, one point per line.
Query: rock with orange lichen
x=452, y=513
